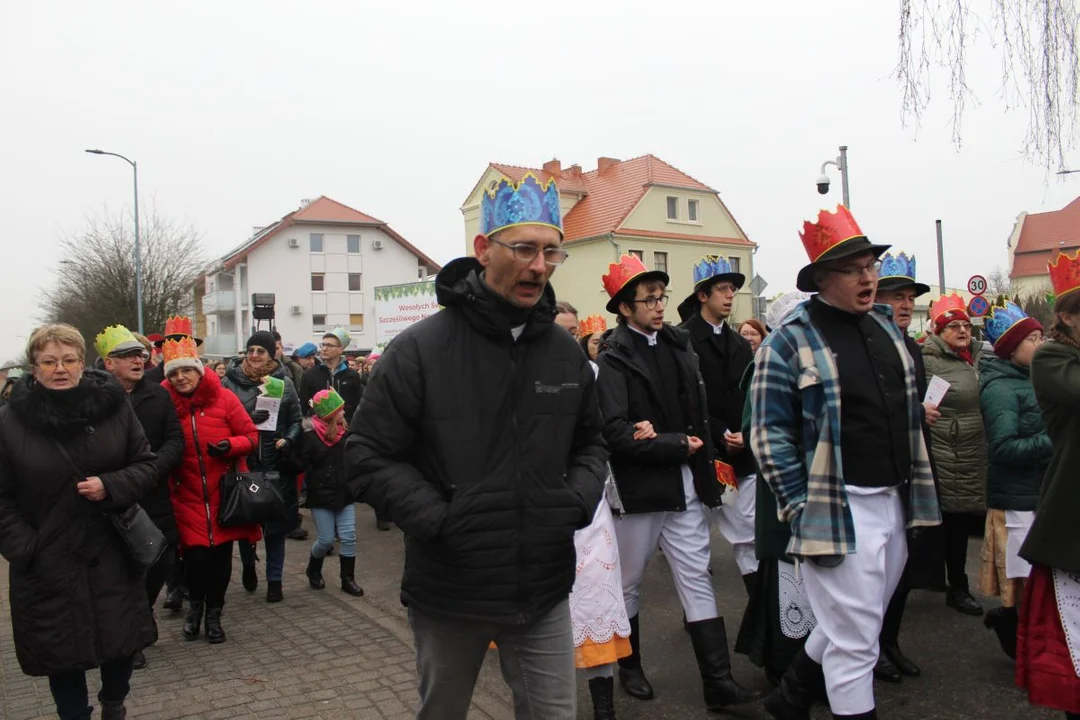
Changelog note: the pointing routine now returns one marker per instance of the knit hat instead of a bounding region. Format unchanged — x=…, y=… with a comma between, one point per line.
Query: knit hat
x=326, y=403
x=264, y=339
x=1007, y=326
x=181, y=353
x=306, y=350
x=342, y=335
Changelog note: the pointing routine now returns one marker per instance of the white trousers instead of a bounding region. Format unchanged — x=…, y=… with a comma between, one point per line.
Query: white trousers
x=849, y=600
x=735, y=521
x=684, y=536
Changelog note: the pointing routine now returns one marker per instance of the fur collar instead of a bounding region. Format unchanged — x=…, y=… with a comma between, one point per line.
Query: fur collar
x=98, y=397
x=205, y=395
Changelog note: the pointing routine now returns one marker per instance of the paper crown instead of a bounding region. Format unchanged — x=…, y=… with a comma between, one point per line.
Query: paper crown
x=342, y=335
x=710, y=266
x=1002, y=319
x=526, y=203
x=178, y=325
x=947, y=304
x=830, y=231
x=113, y=338
x=326, y=403
x=590, y=325
x=897, y=266
x=1065, y=273
x=181, y=353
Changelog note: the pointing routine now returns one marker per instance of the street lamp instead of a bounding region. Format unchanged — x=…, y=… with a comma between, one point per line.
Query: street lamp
x=138, y=254
x=823, y=179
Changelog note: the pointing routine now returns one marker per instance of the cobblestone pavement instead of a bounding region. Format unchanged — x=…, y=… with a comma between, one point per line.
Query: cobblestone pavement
x=315, y=655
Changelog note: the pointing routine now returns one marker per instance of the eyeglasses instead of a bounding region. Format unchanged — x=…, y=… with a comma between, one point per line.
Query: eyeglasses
x=131, y=355
x=857, y=270
x=50, y=365
x=652, y=301
x=527, y=253
x=958, y=325
x=329, y=345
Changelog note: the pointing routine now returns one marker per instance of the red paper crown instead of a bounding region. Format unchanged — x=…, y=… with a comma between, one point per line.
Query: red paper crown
x=591, y=324
x=725, y=474
x=831, y=229
x=628, y=268
x=183, y=348
x=947, y=304
x=178, y=326
x=1065, y=273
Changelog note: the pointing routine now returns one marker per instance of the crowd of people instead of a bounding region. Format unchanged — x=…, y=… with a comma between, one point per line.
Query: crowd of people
x=536, y=462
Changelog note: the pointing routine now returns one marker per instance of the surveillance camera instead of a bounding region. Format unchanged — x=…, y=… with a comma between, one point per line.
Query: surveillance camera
x=823, y=184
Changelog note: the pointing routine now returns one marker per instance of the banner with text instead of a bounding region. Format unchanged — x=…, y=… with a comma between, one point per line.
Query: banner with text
x=399, y=306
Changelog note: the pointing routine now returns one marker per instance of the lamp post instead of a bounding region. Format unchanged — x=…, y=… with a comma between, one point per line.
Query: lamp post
x=138, y=254
x=841, y=163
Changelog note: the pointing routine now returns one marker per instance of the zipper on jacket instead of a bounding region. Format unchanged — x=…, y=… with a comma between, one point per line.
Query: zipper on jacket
x=202, y=474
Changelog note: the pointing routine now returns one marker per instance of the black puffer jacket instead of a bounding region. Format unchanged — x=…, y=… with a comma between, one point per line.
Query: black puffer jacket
x=157, y=416
x=325, y=468
x=485, y=451
x=648, y=472
x=74, y=600
x=268, y=457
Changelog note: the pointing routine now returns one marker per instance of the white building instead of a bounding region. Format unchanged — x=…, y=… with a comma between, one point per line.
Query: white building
x=321, y=262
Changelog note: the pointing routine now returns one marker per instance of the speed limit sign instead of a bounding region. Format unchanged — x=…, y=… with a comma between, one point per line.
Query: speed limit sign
x=976, y=285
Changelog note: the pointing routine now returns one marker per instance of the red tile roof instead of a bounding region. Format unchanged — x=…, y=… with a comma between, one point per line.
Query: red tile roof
x=611, y=193
x=1045, y=231
x=684, y=236
x=325, y=211
x=1033, y=264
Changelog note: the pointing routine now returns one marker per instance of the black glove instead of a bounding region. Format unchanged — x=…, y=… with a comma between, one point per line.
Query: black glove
x=260, y=416
x=220, y=449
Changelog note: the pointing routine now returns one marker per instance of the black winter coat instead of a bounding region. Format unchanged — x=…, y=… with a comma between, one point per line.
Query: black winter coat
x=723, y=358
x=268, y=457
x=648, y=472
x=157, y=416
x=486, y=451
x=75, y=602
x=325, y=467
x=345, y=380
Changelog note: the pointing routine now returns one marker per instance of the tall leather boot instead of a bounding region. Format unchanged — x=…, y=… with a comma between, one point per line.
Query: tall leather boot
x=1003, y=621
x=602, y=690
x=314, y=573
x=193, y=620
x=348, y=577
x=631, y=676
x=113, y=710
x=800, y=686
x=709, y=638
x=214, y=632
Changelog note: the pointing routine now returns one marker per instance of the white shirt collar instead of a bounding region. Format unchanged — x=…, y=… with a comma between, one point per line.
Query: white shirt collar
x=717, y=329
x=651, y=337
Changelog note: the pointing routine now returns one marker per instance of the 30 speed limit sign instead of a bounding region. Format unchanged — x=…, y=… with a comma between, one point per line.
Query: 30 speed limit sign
x=976, y=285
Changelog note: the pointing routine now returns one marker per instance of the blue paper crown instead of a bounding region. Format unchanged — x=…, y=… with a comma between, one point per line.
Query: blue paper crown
x=526, y=203
x=710, y=266
x=897, y=266
x=1002, y=319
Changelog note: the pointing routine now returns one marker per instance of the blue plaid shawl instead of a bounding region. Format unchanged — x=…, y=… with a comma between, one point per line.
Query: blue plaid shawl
x=795, y=436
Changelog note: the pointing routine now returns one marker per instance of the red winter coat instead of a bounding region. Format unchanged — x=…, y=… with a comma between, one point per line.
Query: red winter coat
x=211, y=414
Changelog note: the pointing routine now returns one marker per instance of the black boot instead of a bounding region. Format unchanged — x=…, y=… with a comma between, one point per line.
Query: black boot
x=174, y=598
x=885, y=670
x=709, y=638
x=901, y=661
x=872, y=715
x=214, y=633
x=750, y=581
x=348, y=577
x=113, y=710
x=249, y=577
x=298, y=534
x=1003, y=622
x=602, y=690
x=799, y=687
x=273, y=591
x=193, y=620
x=631, y=676
x=314, y=573
x=138, y=660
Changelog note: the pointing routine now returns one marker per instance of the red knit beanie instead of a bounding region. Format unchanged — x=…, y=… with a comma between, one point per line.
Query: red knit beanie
x=1015, y=335
x=946, y=318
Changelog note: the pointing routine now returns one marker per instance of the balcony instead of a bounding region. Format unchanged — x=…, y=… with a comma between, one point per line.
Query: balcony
x=225, y=345
x=222, y=301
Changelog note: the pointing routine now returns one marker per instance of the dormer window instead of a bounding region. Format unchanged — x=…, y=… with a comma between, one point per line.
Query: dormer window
x=692, y=210
x=672, y=208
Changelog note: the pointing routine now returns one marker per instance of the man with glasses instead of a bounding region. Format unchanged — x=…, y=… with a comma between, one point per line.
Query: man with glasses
x=648, y=371
x=480, y=434
x=724, y=356
x=125, y=358
x=848, y=481
x=332, y=370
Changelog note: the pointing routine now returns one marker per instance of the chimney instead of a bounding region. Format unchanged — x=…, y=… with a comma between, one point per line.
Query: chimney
x=604, y=163
x=553, y=167
x=574, y=170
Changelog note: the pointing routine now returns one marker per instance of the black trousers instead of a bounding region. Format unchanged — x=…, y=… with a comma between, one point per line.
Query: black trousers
x=208, y=570
x=158, y=575
x=894, y=613
x=70, y=694
x=957, y=528
x=175, y=577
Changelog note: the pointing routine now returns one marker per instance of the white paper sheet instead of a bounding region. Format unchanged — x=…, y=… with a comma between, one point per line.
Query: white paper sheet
x=935, y=390
x=273, y=406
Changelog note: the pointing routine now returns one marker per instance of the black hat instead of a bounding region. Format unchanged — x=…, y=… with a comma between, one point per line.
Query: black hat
x=263, y=339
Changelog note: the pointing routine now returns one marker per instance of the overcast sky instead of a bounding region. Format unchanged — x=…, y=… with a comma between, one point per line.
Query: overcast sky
x=236, y=111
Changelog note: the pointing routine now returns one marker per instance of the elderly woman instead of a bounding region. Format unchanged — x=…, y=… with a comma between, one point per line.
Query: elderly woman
x=590, y=333
x=958, y=446
x=71, y=452
x=218, y=434
x=247, y=378
x=753, y=332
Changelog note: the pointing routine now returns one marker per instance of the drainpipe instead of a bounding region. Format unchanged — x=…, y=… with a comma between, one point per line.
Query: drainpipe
x=618, y=253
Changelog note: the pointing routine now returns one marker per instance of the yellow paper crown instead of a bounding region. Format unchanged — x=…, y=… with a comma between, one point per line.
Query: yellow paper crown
x=109, y=338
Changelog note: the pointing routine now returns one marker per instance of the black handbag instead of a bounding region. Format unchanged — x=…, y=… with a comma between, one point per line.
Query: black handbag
x=251, y=498
x=144, y=541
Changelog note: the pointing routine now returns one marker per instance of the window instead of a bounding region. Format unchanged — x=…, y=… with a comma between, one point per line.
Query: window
x=356, y=321
x=354, y=282
x=734, y=264
x=660, y=261
x=318, y=281
x=315, y=240
x=638, y=254
x=691, y=210
x=672, y=208
x=318, y=321
x=352, y=244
